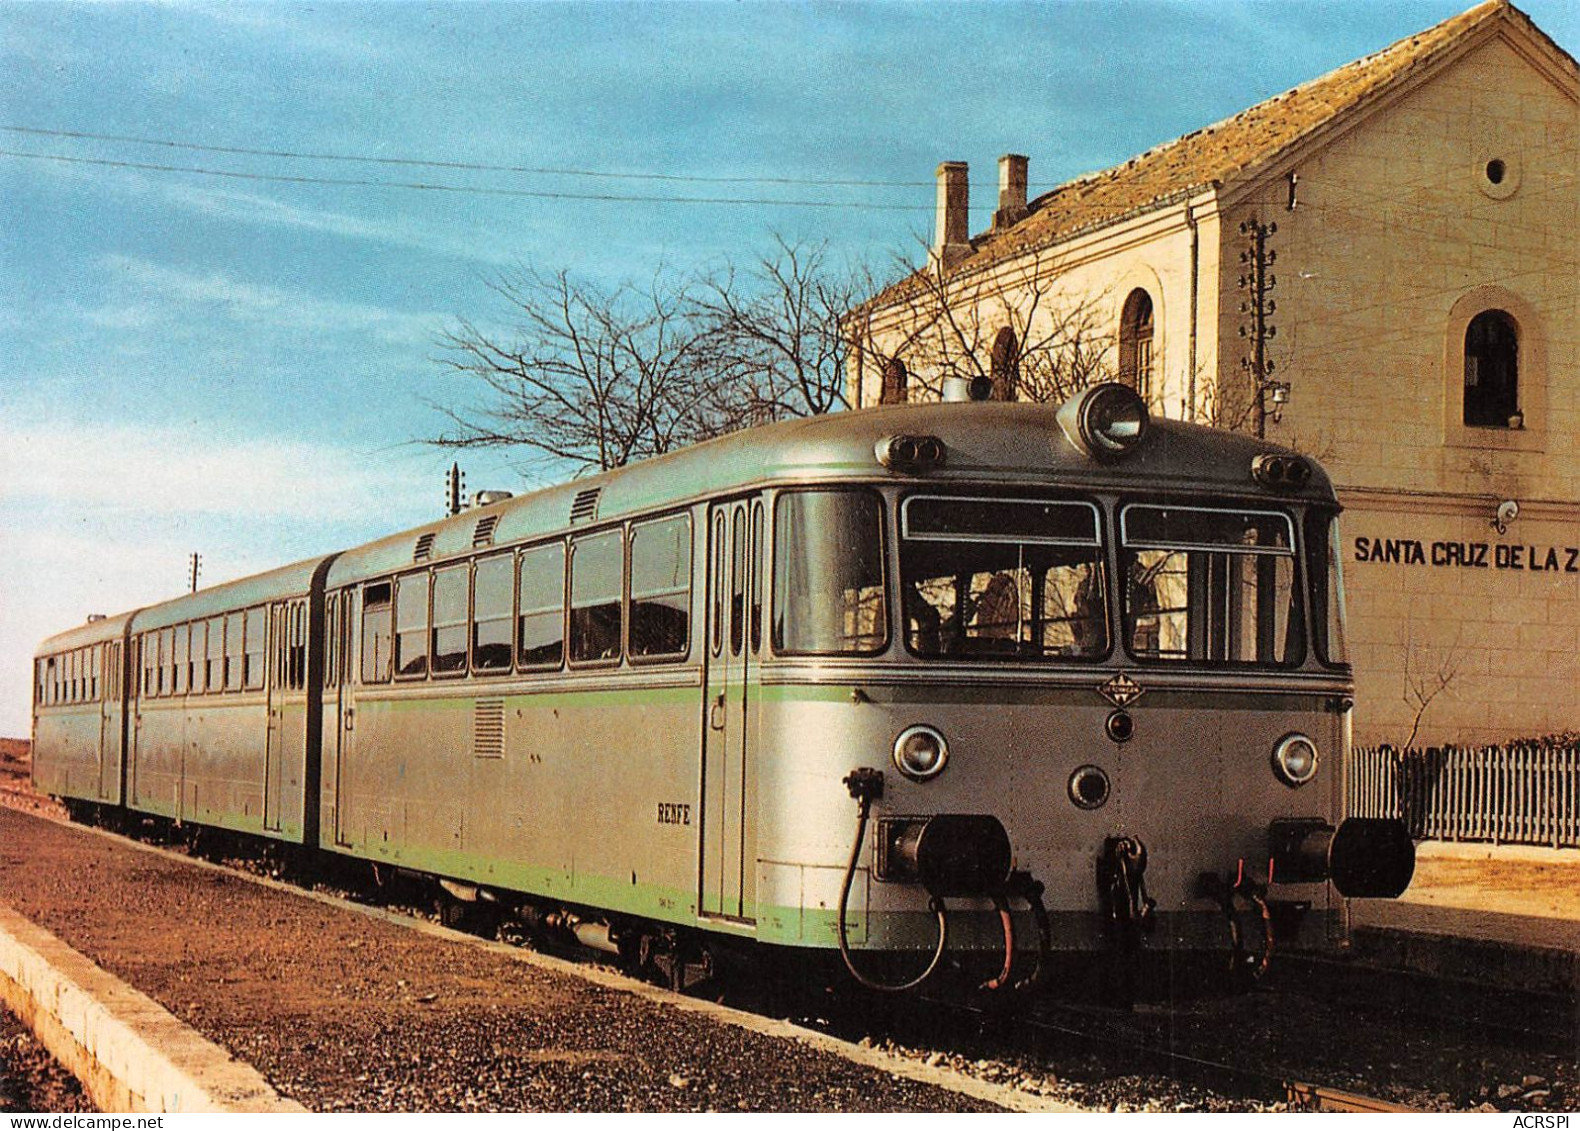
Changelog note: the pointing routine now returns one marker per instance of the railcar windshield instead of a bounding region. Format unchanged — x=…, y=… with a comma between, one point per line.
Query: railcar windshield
x=994, y=579
x=1325, y=553
x=829, y=594
x=1207, y=585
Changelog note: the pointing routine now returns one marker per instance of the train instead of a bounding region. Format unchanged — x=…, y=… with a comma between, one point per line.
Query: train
x=922, y=687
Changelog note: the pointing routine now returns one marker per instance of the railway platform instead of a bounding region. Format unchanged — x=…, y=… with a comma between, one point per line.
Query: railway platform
x=1503, y=914
x=345, y=1008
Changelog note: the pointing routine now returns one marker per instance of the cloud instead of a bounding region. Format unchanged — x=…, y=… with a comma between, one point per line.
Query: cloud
x=256, y=304
x=72, y=466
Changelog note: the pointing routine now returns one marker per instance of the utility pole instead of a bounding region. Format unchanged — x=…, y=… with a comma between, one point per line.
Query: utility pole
x=194, y=567
x=454, y=490
x=1258, y=281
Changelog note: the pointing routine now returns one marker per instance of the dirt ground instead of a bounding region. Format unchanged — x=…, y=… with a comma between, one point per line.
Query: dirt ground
x=16, y=785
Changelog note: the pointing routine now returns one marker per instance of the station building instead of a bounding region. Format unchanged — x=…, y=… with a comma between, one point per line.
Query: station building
x=1379, y=268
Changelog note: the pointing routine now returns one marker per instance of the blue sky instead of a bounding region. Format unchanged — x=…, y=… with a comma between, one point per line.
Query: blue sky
x=244, y=367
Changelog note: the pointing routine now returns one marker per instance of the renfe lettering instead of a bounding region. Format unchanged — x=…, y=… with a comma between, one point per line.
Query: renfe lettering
x=1468, y=555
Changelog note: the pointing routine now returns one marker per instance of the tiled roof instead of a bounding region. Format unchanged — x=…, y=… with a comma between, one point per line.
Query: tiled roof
x=1217, y=152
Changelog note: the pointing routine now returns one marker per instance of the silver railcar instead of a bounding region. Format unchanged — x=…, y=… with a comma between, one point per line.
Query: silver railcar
x=976, y=680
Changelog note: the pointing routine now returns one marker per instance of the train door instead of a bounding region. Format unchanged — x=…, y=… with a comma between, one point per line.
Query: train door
x=734, y=642
x=107, y=661
x=275, y=681
x=341, y=730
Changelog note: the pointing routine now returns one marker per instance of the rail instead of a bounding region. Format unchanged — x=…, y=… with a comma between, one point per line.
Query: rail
x=1522, y=793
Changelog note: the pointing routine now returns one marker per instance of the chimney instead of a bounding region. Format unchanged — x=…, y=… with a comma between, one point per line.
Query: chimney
x=952, y=235
x=1011, y=191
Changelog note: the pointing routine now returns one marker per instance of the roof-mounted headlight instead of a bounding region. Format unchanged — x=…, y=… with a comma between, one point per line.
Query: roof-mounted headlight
x=1106, y=421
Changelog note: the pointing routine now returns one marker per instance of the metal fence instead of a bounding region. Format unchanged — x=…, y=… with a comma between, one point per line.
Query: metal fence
x=1525, y=793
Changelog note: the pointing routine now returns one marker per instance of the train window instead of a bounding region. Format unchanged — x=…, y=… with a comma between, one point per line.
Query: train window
x=200, y=657
x=214, y=655
x=757, y=577
x=257, y=643
x=661, y=587
x=738, y=582
x=297, y=661
x=597, y=566
x=71, y=676
x=829, y=593
x=376, y=633
x=1002, y=578
x=493, y=607
x=1325, y=557
x=448, y=644
x=540, y=634
x=1211, y=586
x=233, y=642
x=719, y=544
x=331, y=640
x=95, y=663
x=146, y=651
x=411, y=626
x=180, y=657
x=165, y=654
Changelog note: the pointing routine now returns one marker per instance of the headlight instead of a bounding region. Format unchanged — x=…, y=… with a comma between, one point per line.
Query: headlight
x=1105, y=421
x=920, y=752
x=1295, y=759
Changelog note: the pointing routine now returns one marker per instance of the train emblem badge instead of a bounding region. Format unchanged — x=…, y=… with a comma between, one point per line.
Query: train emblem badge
x=1121, y=690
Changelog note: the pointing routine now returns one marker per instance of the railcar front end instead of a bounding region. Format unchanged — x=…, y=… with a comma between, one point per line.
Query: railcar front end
x=1098, y=707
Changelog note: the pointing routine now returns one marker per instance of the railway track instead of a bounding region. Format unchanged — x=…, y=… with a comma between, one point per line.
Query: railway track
x=1119, y=1043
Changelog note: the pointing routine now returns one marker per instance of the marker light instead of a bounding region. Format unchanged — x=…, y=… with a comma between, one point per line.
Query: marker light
x=1281, y=473
x=920, y=753
x=1106, y=421
x=914, y=454
x=1295, y=760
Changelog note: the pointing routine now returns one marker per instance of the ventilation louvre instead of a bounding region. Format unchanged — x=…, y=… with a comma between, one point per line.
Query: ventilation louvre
x=488, y=728
x=424, y=549
x=584, y=508
x=483, y=532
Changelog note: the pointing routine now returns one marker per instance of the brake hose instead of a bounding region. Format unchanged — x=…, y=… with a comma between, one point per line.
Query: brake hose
x=1002, y=907
x=865, y=786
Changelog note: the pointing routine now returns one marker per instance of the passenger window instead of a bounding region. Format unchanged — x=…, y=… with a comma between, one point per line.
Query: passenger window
x=233, y=624
x=493, y=600
x=411, y=626
x=738, y=583
x=376, y=636
x=298, y=658
x=162, y=658
x=95, y=667
x=540, y=639
x=182, y=635
x=449, y=620
x=216, y=654
x=148, y=650
x=597, y=565
x=757, y=577
x=256, y=643
x=661, y=587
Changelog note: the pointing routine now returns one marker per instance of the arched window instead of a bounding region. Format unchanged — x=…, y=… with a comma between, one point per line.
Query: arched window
x=895, y=381
x=1492, y=363
x=1006, y=365
x=1135, y=341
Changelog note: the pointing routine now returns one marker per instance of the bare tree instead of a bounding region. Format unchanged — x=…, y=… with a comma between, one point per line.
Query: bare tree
x=1427, y=676
x=772, y=347
x=1011, y=324
x=591, y=377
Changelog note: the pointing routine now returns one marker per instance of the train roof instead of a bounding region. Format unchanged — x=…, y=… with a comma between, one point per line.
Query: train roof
x=1007, y=443
x=95, y=631
x=293, y=580
x=1011, y=444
